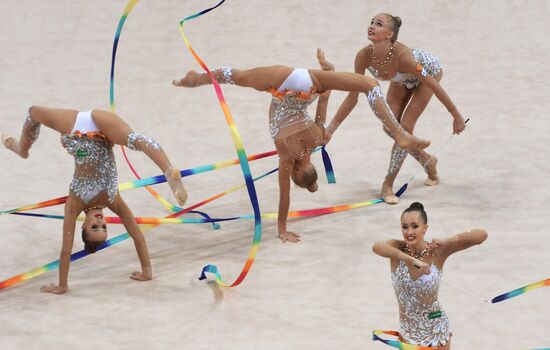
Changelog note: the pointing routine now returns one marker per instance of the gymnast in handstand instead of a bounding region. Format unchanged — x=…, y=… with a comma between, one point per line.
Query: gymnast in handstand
x=89, y=138
x=294, y=132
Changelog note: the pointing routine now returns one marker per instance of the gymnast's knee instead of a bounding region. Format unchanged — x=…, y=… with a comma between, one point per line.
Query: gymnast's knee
x=140, y=142
x=369, y=84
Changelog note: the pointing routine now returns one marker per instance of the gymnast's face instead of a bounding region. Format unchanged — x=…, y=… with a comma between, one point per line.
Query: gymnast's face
x=413, y=228
x=95, y=226
x=380, y=28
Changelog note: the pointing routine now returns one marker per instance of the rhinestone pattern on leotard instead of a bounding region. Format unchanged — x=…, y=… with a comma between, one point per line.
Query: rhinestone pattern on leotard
x=417, y=299
x=290, y=109
x=427, y=64
x=95, y=168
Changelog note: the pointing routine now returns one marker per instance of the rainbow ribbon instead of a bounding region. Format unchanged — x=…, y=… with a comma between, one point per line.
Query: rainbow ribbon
x=522, y=290
x=146, y=182
x=131, y=4
x=78, y=255
x=397, y=344
x=207, y=219
x=237, y=141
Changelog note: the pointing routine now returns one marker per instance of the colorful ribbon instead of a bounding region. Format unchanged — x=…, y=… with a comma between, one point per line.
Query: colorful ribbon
x=397, y=344
x=146, y=182
x=131, y=4
x=522, y=290
x=78, y=255
x=244, y=164
x=207, y=219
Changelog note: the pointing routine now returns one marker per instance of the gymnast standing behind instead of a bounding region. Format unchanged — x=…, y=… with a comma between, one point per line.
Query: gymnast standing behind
x=416, y=273
x=294, y=132
x=415, y=75
x=89, y=137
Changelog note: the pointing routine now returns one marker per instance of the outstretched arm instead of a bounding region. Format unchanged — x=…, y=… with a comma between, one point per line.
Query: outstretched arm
x=408, y=64
x=72, y=209
x=285, y=167
x=390, y=249
x=120, y=208
x=349, y=102
x=458, y=242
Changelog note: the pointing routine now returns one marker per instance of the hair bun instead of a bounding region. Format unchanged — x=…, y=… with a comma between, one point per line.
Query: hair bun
x=398, y=21
x=416, y=206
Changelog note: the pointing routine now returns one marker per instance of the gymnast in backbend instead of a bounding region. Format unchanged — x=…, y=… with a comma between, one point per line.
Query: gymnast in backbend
x=89, y=138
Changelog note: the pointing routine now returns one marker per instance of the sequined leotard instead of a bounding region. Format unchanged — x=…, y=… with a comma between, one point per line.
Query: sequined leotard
x=427, y=64
x=290, y=101
x=417, y=306
x=95, y=168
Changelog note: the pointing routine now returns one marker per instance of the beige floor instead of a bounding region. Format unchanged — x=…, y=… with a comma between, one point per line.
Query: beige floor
x=330, y=291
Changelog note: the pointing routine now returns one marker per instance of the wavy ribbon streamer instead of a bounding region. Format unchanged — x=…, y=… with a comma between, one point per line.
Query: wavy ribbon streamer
x=397, y=344
x=207, y=219
x=131, y=4
x=522, y=290
x=237, y=141
x=117, y=239
x=153, y=180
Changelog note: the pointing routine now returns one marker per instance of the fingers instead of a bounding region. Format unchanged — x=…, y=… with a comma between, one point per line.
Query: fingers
x=320, y=55
x=176, y=82
x=289, y=237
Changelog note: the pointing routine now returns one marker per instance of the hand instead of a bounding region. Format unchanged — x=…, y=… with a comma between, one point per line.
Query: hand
x=289, y=236
x=141, y=276
x=325, y=65
x=52, y=288
x=458, y=123
x=421, y=266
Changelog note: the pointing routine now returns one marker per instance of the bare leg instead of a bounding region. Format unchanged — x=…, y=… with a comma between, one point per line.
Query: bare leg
x=120, y=133
x=57, y=119
x=260, y=78
x=420, y=99
x=343, y=81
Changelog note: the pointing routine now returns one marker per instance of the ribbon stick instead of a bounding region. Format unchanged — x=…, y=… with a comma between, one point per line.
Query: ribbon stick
x=397, y=344
x=522, y=290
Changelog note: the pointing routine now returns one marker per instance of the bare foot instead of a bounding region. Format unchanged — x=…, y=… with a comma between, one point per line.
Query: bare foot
x=412, y=143
x=11, y=143
x=190, y=80
x=431, y=170
x=388, y=196
x=174, y=181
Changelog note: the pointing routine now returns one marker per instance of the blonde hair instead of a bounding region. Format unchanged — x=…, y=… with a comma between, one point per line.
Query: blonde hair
x=307, y=178
x=396, y=24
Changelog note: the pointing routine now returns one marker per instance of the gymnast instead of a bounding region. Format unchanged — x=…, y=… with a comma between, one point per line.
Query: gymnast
x=294, y=132
x=417, y=269
x=415, y=75
x=89, y=137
